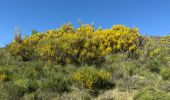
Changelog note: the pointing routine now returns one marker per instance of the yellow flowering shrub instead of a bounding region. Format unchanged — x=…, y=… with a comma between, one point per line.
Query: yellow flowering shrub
x=155, y=52
x=15, y=48
x=89, y=76
x=89, y=47
x=118, y=38
x=2, y=76
x=104, y=75
x=60, y=48
x=165, y=40
x=81, y=45
x=26, y=47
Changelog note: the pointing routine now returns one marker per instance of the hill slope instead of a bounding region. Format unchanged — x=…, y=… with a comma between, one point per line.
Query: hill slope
x=84, y=64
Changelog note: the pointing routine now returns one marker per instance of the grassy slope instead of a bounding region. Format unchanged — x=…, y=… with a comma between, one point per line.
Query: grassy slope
x=133, y=77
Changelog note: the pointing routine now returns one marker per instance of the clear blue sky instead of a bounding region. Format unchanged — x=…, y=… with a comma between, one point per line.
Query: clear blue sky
x=150, y=16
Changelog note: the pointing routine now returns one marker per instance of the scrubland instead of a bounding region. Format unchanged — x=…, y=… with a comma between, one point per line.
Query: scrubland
x=85, y=63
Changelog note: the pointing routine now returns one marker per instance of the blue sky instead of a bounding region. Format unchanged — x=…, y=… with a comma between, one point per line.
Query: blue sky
x=152, y=17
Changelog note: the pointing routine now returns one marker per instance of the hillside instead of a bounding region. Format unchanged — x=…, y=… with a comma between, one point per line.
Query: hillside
x=86, y=64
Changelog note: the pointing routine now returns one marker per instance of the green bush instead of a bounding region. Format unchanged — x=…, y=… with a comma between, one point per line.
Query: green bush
x=165, y=73
x=154, y=65
x=54, y=79
x=151, y=94
x=6, y=59
x=18, y=81
x=16, y=90
x=57, y=83
x=10, y=91
x=140, y=82
x=25, y=85
x=91, y=77
x=165, y=86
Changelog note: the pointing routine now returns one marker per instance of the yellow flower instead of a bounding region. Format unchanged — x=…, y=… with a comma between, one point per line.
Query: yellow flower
x=154, y=52
x=2, y=76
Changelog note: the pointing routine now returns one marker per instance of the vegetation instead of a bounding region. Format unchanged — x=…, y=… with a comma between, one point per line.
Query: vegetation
x=82, y=45
x=85, y=63
x=151, y=94
x=90, y=77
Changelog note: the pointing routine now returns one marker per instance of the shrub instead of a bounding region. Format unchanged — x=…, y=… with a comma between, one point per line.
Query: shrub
x=68, y=45
x=140, y=82
x=165, y=73
x=6, y=59
x=6, y=73
x=10, y=91
x=154, y=52
x=54, y=80
x=165, y=40
x=151, y=94
x=127, y=82
x=90, y=76
x=165, y=86
x=154, y=65
x=118, y=38
x=2, y=76
x=25, y=85
x=24, y=47
x=13, y=90
x=58, y=84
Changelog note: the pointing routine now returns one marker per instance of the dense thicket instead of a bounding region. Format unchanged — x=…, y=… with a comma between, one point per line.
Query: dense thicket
x=82, y=45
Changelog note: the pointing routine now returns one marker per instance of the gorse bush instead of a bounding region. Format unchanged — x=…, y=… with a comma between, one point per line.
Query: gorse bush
x=165, y=40
x=69, y=45
x=24, y=48
x=118, y=38
x=90, y=76
x=2, y=76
